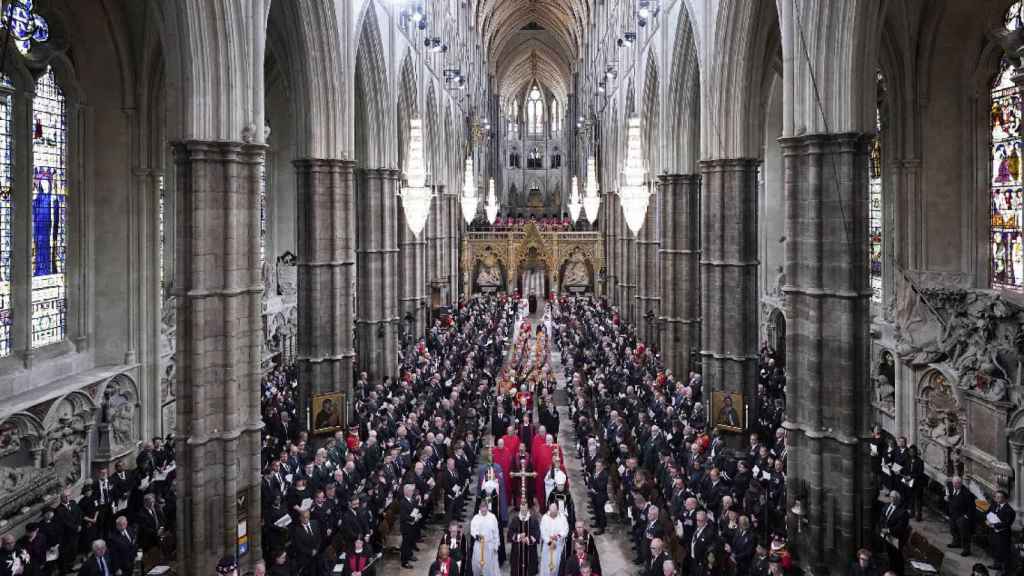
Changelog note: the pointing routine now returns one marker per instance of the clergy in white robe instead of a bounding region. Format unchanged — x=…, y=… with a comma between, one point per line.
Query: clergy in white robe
x=553, y=531
x=486, y=537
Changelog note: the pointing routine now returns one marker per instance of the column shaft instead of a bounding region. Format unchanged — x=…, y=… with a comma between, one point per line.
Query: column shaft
x=680, y=269
x=326, y=258
x=828, y=311
x=611, y=234
x=412, y=280
x=648, y=293
x=729, y=309
x=377, y=265
x=219, y=290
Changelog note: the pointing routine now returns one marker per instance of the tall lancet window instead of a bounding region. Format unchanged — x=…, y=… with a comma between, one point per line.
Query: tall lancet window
x=6, y=213
x=49, y=212
x=875, y=210
x=513, y=121
x=1006, y=205
x=556, y=116
x=535, y=112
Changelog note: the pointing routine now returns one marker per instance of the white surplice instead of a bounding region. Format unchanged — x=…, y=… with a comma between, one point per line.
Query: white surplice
x=487, y=527
x=552, y=538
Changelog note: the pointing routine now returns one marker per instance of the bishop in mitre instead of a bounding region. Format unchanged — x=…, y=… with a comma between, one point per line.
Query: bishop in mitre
x=553, y=531
x=486, y=537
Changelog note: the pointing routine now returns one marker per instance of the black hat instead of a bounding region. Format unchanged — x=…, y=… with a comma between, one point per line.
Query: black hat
x=227, y=565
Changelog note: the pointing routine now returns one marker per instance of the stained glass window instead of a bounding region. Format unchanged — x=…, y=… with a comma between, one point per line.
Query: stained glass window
x=20, y=18
x=513, y=121
x=163, y=237
x=6, y=224
x=1005, y=194
x=49, y=212
x=535, y=112
x=263, y=211
x=556, y=116
x=875, y=199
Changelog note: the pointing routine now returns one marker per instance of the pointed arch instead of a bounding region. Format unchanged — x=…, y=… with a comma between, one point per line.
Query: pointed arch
x=682, y=127
x=650, y=113
x=747, y=51
x=371, y=96
x=304, y=38
x=408, y=106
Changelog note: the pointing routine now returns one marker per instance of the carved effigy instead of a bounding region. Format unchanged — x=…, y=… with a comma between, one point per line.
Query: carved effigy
x=974, y=333
x=576, y=273
x=287, y=274
x=490, y=274
x=885, y=382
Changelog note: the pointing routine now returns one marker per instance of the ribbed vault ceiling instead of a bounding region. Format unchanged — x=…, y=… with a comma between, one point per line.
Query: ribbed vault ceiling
x=547, y=50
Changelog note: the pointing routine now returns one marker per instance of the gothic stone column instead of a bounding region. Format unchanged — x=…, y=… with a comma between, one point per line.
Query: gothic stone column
x=453, y=246
x=648, y=293
x=377, y=272
x=218, y=290
x=729, y=310
x=412, y=280
x=827, y=344
x=326, y=258
x=680, y=269
x=611, y=238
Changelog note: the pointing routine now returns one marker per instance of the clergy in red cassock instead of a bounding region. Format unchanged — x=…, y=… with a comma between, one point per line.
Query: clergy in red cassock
x=511, y=440
x=542, y=456
x=502, y=456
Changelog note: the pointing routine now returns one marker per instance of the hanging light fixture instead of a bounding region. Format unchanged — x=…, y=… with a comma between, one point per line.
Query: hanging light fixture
x=633, y=194
x=416, y=195
x=574, y=200
x=469, y=198
x=492, y=204
x=592, y=202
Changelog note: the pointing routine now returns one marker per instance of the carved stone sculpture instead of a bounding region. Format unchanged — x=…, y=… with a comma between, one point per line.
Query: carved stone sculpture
x=975, y=332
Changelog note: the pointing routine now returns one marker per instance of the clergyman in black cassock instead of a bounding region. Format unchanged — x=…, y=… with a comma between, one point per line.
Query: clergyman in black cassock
x=561, y=495
x=581, y=534
x=523, y=536
x=459, y=549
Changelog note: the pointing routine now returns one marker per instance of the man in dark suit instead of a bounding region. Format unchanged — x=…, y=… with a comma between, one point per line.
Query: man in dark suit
x=99, y=563
x=69, y=517
x=742, y=547
x=864, y=566
x=1002, y=548
x=124, y=547
x=152, y=526
x=598, y=491
x=409, y=523
x=703, y=541
x=500, y=421
x=961, y=507
x=34, y=543
x=895, y=529
x=306, y=539
x=657, y=558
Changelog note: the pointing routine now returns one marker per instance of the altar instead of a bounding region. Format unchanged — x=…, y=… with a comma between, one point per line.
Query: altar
x=532, y=262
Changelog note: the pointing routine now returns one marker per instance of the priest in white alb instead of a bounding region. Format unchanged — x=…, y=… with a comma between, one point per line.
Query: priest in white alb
x=553, y=531
x=486, y=537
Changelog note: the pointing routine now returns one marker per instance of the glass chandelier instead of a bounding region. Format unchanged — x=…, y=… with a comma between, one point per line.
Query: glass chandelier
x=574, y=200
x=416, y=195
x=492, y=204
x=469, y=198
x=633, y=194
x=592, y=202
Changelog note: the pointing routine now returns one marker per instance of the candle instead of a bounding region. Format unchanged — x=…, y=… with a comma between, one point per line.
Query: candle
x=746, y=416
